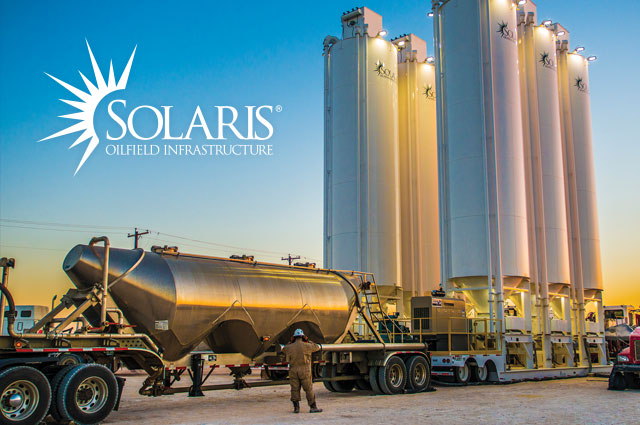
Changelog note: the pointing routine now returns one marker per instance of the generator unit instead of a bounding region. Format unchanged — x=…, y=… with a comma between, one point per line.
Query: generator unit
x=441, y=317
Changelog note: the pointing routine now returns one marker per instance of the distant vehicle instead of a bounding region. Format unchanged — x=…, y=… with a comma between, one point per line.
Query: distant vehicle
x=26, y=317
x=621, y=314
x=626, y=371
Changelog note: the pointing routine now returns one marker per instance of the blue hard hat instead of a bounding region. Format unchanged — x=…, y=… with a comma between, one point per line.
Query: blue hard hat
x=298, y=332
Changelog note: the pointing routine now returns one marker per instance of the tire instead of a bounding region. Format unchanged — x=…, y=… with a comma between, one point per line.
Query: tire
x=479, y=373
x=337, y=386
x=462, y=374
x=373, y=380
x=55, y=384
x=326, y=373
x=25, y=396
x=277, y=375
x=616, y=381
x=363, y=385
x=418, y=374
x=343, y=386
x=631, y=381
x=87, y=394
x=69, y=359
x=392, y=377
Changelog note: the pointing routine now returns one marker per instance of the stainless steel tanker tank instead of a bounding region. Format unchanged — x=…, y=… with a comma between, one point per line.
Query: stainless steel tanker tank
x=180, y=300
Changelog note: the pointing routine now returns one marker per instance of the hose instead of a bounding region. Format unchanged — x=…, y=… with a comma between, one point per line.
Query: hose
x=11, y=314
x=132, y=268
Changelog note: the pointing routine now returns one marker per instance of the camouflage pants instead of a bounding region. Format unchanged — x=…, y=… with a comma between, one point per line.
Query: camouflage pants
x=301, y=378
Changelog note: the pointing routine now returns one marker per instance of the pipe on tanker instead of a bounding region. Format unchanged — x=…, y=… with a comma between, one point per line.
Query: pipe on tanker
x=329, y=348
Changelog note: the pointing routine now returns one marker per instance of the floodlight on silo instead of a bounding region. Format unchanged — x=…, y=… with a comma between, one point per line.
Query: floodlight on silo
x=382, y=33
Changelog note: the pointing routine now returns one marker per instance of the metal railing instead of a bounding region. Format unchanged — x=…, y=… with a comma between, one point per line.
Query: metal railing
x=448, y=336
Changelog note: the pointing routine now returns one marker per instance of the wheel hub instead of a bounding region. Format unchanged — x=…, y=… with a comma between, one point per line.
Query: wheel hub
x=91, y=394
x=19, y=400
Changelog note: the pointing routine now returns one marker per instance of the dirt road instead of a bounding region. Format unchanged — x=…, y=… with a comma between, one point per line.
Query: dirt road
x=578, y=400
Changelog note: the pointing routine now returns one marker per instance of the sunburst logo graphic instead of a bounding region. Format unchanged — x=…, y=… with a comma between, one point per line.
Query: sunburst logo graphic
x=429, y=92
x=89, y=102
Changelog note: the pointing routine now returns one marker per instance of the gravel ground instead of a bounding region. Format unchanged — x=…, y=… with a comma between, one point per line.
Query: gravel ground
x=565, y=401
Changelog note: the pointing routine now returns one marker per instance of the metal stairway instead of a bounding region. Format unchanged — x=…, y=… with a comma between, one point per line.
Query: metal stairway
x=389, y=329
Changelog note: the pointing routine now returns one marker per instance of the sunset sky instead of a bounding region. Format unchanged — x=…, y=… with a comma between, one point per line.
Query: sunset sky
x=269, y=53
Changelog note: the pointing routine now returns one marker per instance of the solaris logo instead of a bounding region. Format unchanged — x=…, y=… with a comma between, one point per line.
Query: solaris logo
x=88, y=103
x=258, y=127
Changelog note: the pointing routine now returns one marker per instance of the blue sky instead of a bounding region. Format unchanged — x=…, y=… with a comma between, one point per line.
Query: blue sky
x=212, y=53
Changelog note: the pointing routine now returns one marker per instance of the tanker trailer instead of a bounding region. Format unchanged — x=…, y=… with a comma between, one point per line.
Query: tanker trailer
x=234, y=306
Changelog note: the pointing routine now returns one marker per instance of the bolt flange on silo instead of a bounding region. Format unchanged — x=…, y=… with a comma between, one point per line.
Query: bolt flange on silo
x=361, y=219
x=546, y=204
x=419, y=228
x=483, y=210
x=582, y=214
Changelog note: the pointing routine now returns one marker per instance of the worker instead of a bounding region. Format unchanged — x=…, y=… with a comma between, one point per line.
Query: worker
x=298, y=353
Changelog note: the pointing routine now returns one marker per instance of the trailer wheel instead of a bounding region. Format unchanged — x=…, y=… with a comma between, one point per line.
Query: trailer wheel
x=55, y=384
x=363, y=385
x=462, y=374
x=87, y=394
x=69, y=359
x=616, y=381
x=25, y=396
x=373, y=380
x=392, y=377
x=479, y=373
x=419, y=376
x=327, y=373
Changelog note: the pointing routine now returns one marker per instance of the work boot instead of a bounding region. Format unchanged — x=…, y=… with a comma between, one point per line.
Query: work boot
x=314, y=409
x=296, y=407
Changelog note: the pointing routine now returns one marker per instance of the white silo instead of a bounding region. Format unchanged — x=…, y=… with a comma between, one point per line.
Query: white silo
x=484, y=246
x=361, y=219
x=420, y=251
x=549, y=250
x=582, y=216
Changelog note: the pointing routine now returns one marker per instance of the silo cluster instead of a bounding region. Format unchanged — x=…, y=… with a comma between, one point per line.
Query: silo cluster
x=518, y=213
x=380, y=175
x=472, y=171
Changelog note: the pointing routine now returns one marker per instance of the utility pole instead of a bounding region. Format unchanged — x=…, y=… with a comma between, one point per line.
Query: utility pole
x=137, y=235
x=290, y=259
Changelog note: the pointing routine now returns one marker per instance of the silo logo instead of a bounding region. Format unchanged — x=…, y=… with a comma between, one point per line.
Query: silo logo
x=258, y=127
x=384, y=72
x=429, y=92
x=505, y=32
x=581, y=85
x=546, y=61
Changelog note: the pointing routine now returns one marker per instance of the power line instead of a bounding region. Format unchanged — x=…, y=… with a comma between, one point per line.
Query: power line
x=54, y=230
x=76, y=228
x=32, y=247
x=44, y=223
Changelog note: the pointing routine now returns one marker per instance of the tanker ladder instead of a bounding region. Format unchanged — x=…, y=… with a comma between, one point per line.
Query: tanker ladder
x=389, y=328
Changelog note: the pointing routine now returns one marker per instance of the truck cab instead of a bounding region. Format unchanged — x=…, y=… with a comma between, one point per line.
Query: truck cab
x=626, y=372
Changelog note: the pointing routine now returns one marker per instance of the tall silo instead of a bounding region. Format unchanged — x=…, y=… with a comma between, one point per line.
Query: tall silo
x=420, y=251
x=361, y=219
x=582, y=215
x=484, y=246
x=548, y=239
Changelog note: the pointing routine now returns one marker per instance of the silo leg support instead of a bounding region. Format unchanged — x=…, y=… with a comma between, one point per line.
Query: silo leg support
x=197, y=366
